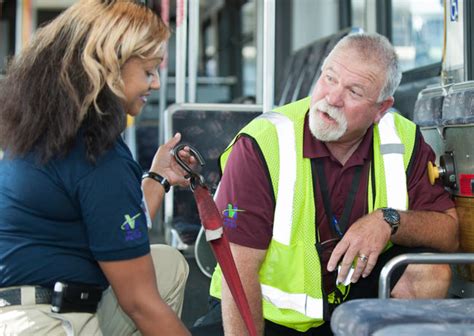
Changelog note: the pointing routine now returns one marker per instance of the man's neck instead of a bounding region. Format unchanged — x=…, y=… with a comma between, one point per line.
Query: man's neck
x=342, y=151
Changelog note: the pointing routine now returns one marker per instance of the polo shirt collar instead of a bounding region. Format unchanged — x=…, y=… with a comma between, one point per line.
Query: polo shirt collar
x=314, y=148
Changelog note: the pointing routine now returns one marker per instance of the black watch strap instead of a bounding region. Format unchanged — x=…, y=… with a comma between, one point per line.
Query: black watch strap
x=158, y=178
x=392, y=217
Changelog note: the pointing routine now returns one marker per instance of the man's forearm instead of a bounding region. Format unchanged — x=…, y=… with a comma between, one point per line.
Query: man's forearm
x=438, y=230
x=233, y=323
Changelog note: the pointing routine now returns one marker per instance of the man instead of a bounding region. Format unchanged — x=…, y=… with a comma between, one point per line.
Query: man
x=317, y=194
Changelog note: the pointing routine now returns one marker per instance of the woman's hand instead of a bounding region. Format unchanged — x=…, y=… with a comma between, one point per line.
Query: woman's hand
x=165, y=164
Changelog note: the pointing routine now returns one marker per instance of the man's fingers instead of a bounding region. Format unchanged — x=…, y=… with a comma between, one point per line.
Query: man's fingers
x=361, y=263
x=370, y=265
x=336, y=255
x=346, y=265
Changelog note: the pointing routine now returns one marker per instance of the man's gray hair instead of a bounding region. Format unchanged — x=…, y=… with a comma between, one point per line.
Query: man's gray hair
x=377, y=48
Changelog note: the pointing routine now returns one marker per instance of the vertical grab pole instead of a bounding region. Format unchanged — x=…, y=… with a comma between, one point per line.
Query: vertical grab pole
x=259, y=43
x=268, y=54
x=19, y=27
x=130, y=135
x=193, y=49
x=181, y=39
x=165, y=16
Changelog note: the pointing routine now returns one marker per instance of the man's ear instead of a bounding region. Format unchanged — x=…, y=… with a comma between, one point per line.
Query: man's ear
x=382, y=108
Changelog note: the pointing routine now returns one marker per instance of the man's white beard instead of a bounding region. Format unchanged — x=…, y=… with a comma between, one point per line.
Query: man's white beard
x=325, y=131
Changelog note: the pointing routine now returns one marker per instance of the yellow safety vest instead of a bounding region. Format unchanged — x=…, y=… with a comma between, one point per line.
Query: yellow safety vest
x=290, y=275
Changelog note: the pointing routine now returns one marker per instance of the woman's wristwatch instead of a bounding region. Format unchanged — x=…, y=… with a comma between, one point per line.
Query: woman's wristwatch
x=158, y=178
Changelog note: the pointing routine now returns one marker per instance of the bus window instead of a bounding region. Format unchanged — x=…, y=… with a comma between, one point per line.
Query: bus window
x=7, y=24
x=249, y=51
x=359, y=11
x=417, y=32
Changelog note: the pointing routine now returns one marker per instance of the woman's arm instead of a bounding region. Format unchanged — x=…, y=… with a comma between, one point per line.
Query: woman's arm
x=165, y=165
x=134, y=284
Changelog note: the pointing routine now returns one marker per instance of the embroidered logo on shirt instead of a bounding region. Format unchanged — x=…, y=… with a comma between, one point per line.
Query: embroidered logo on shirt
x=131, y=232
x=230, y=215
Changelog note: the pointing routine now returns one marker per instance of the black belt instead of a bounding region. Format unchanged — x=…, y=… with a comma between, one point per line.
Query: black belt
x=12, y=296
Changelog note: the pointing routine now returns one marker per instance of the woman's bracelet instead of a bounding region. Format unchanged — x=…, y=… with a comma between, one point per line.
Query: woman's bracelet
x=158, y=178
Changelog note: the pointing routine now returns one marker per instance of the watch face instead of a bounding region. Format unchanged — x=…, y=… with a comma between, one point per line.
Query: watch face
x=391, y=216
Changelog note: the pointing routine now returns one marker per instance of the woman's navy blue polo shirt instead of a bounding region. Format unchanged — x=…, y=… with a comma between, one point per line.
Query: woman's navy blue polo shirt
x=58, y=219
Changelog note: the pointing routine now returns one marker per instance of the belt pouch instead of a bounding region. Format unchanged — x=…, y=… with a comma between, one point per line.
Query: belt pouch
x=71, y=297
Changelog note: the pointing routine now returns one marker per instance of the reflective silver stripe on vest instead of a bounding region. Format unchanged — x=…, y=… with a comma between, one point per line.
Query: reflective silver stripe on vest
x=392, y=151
x=301, y=303
x=392, y=148
x=283, y=218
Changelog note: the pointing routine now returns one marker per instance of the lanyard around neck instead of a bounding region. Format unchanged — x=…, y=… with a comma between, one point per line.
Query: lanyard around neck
x=338, y=227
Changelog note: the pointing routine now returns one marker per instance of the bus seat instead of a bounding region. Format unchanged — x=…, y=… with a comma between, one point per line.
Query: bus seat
x=458, y=329
x=428, y=106
x=312, y=69
x=302, y=69
x=458, y=106
x=209, y=128
x=385, y=316
x=294, y=67
x=413, y=81
x=370, y=316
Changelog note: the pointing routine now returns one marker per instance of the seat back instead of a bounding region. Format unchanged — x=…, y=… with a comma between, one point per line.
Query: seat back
x=303, y=69
x=209, y=128
x=458, y=106
x=429, y=106
x=365, y=317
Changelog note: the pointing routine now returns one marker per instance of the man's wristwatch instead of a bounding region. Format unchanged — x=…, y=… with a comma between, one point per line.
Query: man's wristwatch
x=158, y=178
x=392, y=217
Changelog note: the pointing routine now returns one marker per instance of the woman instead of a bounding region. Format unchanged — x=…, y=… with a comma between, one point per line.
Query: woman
x=71, y=203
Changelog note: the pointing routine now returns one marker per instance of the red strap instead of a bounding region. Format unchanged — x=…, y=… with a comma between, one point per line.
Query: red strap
x=212, y=220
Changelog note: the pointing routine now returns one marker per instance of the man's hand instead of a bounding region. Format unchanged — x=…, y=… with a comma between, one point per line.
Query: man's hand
x=361, y=245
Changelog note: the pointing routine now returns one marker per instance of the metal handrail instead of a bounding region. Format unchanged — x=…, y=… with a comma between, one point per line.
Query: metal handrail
x=181, y=43
x=268, y=53
x=227, y=80
x=418, y=258
x=193, y=49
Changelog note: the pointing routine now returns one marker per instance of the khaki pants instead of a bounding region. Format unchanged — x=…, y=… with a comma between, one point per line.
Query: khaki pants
x=171, y=273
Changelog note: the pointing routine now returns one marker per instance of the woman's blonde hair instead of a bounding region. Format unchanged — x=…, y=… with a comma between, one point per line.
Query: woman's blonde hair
x=68, y=77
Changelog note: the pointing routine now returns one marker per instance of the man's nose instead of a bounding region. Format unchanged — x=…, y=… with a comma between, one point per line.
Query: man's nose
x=335, y=97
